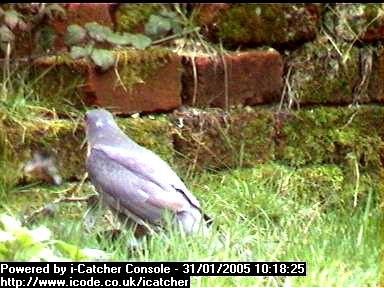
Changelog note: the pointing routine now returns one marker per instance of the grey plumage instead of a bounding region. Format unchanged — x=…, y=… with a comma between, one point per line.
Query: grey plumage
x=132, y=179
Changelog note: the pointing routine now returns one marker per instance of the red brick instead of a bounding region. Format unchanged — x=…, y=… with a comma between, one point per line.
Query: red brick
x=352, y=22
x=253, y=78
x=80, y=14
x=159, y=92
x=253, y=25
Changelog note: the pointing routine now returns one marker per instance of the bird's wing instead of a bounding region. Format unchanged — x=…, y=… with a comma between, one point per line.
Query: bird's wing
x=149, y=166
x=140, y=196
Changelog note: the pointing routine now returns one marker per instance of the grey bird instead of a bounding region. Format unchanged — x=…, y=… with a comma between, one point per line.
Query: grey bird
x=133, y=180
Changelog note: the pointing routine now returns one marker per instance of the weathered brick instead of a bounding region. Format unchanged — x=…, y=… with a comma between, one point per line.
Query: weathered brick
x=330, y=135
x=252, y=78
x=250, y=25
x=322, y=72
x=143, y=82
x=356, y=22
x=63, y=140
x=80, y=14
x=218, y=140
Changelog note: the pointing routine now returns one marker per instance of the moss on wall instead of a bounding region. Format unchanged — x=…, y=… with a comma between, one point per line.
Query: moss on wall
x=129, y=17
x=63, y=139
x=334, y=135
x=58, y=82
x=265, y=24
x=218, y=140
x=137, y=65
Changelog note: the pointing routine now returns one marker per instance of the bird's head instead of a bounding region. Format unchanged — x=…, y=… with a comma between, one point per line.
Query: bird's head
x=99, y=122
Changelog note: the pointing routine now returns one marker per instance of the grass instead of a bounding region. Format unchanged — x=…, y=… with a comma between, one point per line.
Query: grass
x=254, y=221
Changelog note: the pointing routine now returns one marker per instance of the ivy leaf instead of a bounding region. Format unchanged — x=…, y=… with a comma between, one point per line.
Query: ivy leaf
x=48, y=255
x=157, y=26
x=118, y=39
x=174, y=20
x=6, y=236
x=39, y=234
x=30, y=252
x=168, y=14
x=95, y=253
x=71, y=250
x=80, y=52
x=6, y=35
x=10, y=224
x=75, y=34
x=97, y=31
x=140, y=41
x=13, y=226
x=103, y=58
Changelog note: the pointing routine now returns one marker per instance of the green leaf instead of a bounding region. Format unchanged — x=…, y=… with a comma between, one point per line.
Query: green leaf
x=95, y=253
x=140, y=41
x=9, y=223
x=73, y=252
x=13, y=226
x=39, y=234
x=29, y=253
x=80, y=52
x=5, y=251
x=103, y=58
x=97, y=31
x=47, y=255
x=6, y=236
x=118, y=39
x=168, y=14
x=11, y=18
x=157, y=25
x=75, y=34
x=18, y=243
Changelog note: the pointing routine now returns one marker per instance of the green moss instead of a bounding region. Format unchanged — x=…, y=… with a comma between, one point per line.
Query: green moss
x=324, y=135
x=63, y=139
x=356, y=21
x=58, y=82
x=342, y=136
x=263, y=24
x=46, y=38
x=321, y=75
x=135, y=66
x=217, y=140
x=59, y=138
x=153, y=134
x=130, y=16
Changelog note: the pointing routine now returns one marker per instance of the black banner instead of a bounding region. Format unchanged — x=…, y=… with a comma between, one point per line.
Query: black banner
x=134, y=274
